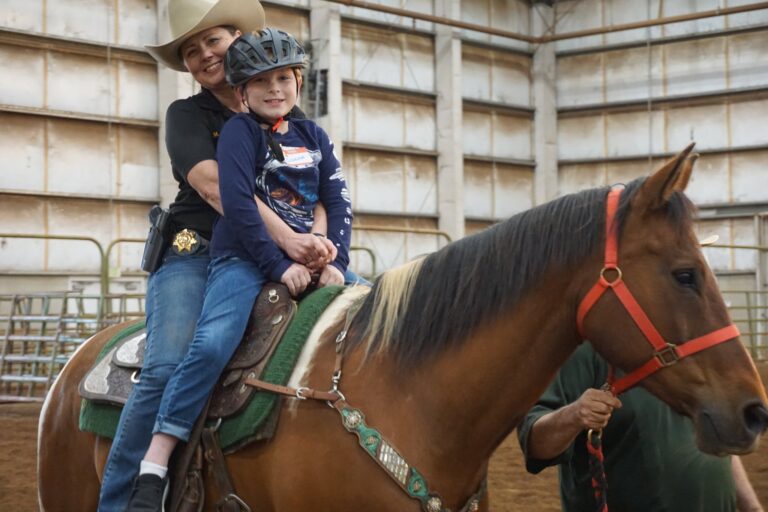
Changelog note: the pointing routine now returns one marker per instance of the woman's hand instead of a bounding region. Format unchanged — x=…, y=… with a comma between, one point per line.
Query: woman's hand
x=296, y=278
x=307, y=249
x=330, y=275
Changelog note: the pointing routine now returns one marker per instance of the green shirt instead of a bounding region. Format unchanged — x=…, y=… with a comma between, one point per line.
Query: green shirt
x=651, y=459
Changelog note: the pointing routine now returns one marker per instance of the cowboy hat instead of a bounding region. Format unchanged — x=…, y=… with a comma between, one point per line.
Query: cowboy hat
x=188, y=17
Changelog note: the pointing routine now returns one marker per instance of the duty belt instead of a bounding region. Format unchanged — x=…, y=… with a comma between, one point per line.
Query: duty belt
x=188, y=241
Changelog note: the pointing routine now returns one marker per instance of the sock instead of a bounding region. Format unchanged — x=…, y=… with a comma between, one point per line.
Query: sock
x=147, y=467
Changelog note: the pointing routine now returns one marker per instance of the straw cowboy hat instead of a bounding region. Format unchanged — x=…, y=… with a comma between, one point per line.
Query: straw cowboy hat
x=188, y=17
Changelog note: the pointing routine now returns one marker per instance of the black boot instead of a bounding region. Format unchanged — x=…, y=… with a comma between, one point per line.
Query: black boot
x=148, y=494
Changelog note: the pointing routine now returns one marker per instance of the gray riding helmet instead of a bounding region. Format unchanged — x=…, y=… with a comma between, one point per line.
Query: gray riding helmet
x=252, y=54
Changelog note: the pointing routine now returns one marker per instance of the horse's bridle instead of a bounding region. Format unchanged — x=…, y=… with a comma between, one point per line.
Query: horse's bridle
x=665, y=354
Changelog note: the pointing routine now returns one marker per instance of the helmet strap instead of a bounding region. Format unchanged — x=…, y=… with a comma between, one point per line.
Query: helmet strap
x=272, y=144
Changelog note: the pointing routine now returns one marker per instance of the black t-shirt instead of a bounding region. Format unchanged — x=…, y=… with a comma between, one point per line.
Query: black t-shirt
x=192, y=131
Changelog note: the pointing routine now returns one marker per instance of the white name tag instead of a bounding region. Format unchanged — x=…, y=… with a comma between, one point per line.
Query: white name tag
x=297, y=157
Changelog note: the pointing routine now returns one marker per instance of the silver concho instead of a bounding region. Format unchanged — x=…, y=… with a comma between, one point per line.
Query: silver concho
x=352, y=420
x=434, y=504
x=474, y=506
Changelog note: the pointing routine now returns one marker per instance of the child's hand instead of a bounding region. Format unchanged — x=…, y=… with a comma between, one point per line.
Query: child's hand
x=308, y=249
x=296, y=278
x=330, y=275
x=332, y=251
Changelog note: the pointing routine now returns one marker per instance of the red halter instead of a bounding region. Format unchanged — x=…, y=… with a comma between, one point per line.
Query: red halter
x=665, y=354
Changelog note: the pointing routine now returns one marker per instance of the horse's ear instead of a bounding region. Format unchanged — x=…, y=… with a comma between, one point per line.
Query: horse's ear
x=672, y=177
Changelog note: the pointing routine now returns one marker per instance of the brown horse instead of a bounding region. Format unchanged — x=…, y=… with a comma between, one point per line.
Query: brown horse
x=446, y=354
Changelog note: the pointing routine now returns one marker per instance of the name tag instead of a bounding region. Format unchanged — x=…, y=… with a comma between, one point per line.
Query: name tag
x=297, y=157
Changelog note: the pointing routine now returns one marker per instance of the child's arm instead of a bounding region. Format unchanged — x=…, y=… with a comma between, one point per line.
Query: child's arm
x=334, y=195
x=237, y=156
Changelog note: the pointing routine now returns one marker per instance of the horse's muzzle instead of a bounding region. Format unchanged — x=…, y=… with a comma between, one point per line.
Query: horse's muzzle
x=756, y=417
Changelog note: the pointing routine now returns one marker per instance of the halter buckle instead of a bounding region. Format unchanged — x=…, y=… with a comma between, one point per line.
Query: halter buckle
x=668, y=355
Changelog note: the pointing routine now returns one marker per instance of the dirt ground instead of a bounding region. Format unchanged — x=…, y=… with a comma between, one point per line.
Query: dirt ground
x=512, y=489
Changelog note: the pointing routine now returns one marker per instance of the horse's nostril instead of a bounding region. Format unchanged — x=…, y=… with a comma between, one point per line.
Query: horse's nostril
x=756, y=417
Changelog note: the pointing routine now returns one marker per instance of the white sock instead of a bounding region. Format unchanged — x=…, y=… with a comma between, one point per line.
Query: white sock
x=147, y=467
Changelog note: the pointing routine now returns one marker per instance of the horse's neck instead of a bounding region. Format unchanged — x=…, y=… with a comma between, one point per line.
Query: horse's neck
x=494, y=378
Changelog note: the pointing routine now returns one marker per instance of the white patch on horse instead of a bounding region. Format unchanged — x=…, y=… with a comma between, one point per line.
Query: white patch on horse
x=301, y=371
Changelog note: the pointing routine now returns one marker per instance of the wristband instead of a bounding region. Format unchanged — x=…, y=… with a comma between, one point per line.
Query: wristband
x=319, y=235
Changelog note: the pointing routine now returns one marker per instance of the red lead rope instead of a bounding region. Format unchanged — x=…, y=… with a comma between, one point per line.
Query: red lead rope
x=664, y=353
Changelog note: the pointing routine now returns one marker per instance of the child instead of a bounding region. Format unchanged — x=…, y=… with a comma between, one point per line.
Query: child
x=289, y=164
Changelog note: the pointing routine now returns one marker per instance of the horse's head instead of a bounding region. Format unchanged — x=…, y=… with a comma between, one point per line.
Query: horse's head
x=663, y=268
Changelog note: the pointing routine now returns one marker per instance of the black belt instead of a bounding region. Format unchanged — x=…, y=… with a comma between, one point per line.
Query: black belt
x=188, y=241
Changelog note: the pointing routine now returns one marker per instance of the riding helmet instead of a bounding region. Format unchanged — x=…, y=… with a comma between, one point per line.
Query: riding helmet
x=252, y=54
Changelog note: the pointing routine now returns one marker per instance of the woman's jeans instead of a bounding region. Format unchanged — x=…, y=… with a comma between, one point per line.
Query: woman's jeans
x=173, y=304
x=182, y=363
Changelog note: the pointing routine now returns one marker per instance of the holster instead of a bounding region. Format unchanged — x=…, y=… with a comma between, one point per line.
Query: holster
x=156, y=239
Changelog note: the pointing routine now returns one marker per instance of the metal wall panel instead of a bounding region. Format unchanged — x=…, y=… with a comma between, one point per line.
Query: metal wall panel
x=580, y=80
x=424, y=6
x=634, y=133
x=691, y=27
x=23, y=164
x=136, y=22
x=748, y=59
x=493, y=133
x=707, y=125
x=392, y=249
x=390, y=182
x=581, y=137
x=27, y=67
x=64, y=156
x=138, y=163
x=20, y=255
x=511, y=15
x=749, y=177
x=633, y=74
x=573, y=15
x=385, y=119
x=695, y=66
x=386, y=57
x=710, y=183
x=739, y=231
x=493, y=75
x=496, y=191
x=748, y=122
x=137, y=86
x=293, y=21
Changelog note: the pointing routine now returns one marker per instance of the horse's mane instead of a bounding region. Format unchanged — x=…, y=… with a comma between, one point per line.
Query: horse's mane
x=425, y=306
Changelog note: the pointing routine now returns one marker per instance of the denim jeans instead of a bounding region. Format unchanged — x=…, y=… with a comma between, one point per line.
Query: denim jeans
x=173, y=304
x=233, y=285
x=182, y=362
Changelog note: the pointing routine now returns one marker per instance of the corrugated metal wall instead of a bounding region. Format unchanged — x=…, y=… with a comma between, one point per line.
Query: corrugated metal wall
x=81, y=105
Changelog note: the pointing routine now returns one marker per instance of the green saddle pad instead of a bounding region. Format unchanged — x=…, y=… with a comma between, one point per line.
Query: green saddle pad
x=102, y=419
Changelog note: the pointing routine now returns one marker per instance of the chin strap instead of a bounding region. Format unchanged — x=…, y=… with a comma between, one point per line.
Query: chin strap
x=272, y=144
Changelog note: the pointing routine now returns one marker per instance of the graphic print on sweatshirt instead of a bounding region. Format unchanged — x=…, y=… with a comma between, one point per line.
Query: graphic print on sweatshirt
x=291, y=188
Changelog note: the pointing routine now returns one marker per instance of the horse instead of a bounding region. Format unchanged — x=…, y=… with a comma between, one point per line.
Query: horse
x=445, y=355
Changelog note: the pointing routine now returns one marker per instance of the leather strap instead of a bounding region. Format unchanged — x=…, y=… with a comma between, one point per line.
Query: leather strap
x=230, y=502
x=300, y=393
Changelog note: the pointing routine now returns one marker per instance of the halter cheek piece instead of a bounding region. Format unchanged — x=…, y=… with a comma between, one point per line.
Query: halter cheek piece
x=665, y=353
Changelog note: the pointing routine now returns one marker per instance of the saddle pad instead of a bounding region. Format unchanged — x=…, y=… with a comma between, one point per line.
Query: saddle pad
x=102, y=419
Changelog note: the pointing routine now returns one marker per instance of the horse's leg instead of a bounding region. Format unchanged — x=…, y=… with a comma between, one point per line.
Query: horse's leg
x=66, y=471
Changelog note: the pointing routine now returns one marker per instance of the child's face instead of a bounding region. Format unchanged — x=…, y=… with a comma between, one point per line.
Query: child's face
x=203, y=55
x=272, y=94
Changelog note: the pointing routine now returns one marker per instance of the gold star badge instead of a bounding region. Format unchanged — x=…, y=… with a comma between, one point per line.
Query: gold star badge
x=184, y=241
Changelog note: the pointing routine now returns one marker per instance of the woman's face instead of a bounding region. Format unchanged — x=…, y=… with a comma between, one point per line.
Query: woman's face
x=272, y=94
x=203, y=55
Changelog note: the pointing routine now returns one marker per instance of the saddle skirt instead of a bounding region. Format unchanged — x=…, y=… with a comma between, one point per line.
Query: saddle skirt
x=113, y=376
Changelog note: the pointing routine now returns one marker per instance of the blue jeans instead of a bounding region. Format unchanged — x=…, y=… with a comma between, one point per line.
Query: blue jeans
x=233, y=285
x=182, y=363
x=173, y=304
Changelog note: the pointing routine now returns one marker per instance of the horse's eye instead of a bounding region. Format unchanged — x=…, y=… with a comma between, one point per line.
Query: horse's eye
x=686, y=277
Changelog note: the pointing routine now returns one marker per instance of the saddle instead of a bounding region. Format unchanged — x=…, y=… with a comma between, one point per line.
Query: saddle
x=112, y=378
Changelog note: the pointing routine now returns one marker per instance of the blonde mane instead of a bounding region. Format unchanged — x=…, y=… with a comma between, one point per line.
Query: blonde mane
x=392, y=294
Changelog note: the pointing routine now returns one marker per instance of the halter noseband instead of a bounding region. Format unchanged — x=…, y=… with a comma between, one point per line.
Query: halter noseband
x=665, y=354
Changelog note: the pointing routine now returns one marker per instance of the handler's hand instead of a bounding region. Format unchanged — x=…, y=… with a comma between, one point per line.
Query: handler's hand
x=330, y=275
x=296, y=278
x=594, y=407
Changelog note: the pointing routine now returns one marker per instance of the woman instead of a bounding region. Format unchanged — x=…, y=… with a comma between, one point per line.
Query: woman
x=202, y=30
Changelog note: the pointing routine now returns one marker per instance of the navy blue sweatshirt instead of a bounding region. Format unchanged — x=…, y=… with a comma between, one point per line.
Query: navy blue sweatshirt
x=311, y=173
